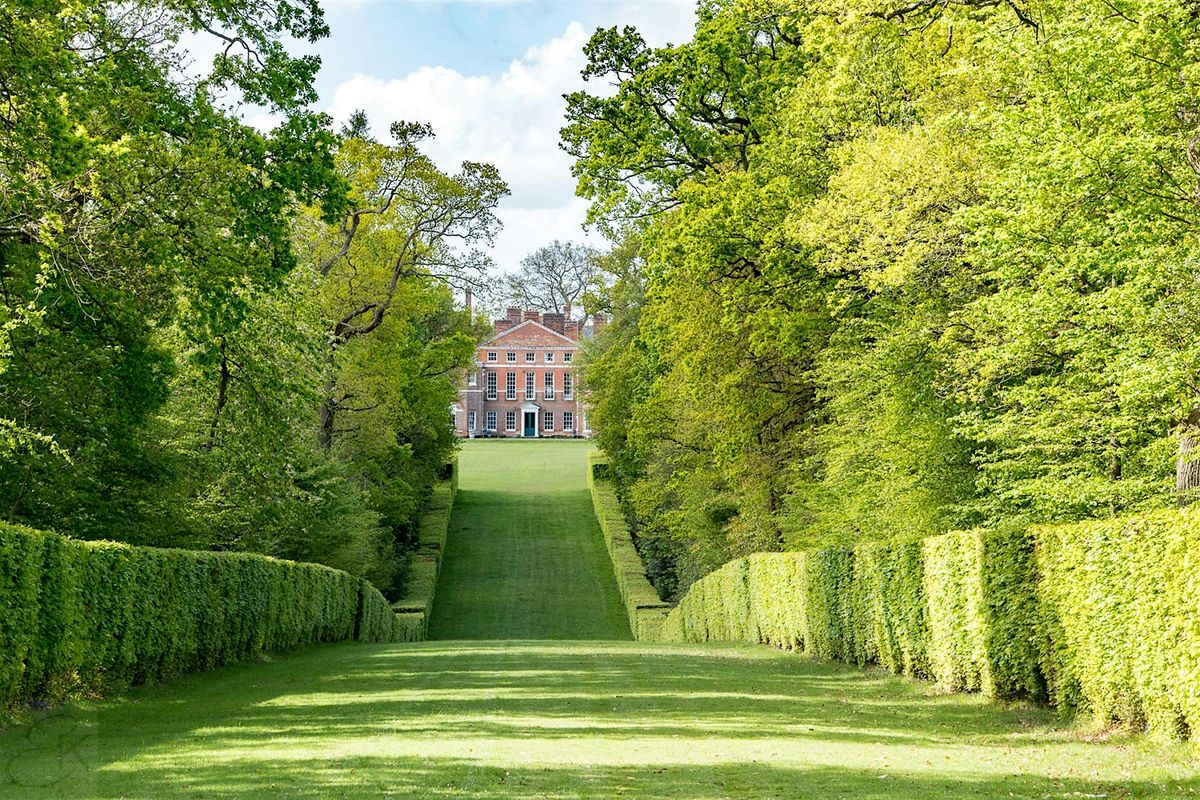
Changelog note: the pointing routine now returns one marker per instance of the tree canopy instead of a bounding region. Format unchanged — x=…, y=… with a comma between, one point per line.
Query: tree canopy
x=553, y=278
x=168, y=307
x=901, y=268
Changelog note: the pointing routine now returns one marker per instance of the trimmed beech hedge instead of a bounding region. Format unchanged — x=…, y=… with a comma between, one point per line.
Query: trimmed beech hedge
x=85, y=617
x=645, y=608
x=90, y=617
x=1100, y=617
x=414, y=608
x=1120, y=603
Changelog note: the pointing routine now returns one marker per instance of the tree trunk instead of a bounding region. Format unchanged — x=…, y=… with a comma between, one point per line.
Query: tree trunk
x=222, y=397
x=325, y=420
x=1187, y=465
x=329, y=405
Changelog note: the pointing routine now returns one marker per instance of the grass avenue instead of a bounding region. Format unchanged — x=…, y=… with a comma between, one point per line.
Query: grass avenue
x=537, y=715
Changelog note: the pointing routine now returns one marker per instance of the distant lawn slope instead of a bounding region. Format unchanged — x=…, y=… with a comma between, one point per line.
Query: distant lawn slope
x=525, y=558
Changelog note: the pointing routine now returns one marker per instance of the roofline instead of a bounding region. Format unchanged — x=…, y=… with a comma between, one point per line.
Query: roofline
x=515, y=328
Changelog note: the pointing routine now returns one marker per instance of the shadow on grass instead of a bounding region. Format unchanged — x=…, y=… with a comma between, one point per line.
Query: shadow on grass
x=536, y=719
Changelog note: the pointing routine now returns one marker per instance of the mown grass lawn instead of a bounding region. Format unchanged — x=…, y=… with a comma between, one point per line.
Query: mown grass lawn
x=562, y=719
x=539, y=717
x=525, y=558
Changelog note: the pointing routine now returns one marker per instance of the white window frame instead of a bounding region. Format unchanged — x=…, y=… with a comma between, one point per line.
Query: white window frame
x=510, y=420
x=531, y=357
x=472, y=379
x=510, y=386
x=491, y=420
x=470, y=420
x=568, y=420
x=547, y=420
x=549, y=358
x=491, y=357
x=548, y=385
x=530, y=385
x=510, y=358
x=567, y=357
x=491, y=386
x=568, y=386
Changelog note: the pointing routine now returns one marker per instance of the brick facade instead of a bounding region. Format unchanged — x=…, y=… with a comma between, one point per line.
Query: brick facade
x=523, y=382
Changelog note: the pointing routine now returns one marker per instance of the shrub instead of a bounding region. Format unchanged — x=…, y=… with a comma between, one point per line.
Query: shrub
x=645, y=609
x=983, y=620
x=827, y=599
x=433, y=525
x=97, y=616
x=954, y=593
x=1119, y=599
x=1099, y=617
x=777, y=581
x=421, y=584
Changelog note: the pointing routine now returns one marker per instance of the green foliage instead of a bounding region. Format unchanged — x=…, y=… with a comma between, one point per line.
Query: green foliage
x=953, y=588
x=424, y=564
x=774, y=579
x=645, y=608
x=164, y=346
x=893, y=576
x=1096, y=617
x=892, y=272
x=1119, y=600
x=86, y=617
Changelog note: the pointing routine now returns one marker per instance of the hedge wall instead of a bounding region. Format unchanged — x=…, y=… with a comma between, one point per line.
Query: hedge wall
x=1120, y=603
x=1099, y=617
x=84, y=617
x=414, y=608
x=645, y=608
x=96, y=616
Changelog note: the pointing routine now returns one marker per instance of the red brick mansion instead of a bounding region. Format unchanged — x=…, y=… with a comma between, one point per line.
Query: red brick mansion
x=523, y=382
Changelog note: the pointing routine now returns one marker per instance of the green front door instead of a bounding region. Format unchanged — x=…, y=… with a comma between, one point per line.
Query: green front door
x=530, y=423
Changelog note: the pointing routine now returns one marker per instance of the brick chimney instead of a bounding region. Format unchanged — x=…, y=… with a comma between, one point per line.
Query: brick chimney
x=501, y=325
x=598, y=323
x=567, y=311
x=514, y=316
x=554, y=322
x=571, y=329
x=533, y=316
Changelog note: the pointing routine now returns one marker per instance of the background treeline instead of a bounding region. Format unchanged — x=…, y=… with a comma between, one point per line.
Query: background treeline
x=211, y=336
x=894, y=269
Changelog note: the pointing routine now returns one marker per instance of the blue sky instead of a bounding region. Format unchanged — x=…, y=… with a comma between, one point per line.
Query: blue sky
x=392, y=37
x=488, y=75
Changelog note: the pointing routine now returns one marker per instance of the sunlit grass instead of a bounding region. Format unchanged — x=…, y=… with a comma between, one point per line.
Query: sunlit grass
x=525, y=558
x=536, y=719
x=467, y=720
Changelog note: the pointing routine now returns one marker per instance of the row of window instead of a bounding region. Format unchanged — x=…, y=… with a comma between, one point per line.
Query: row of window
x=510, y=421
x=510, y=386
x=530, y=357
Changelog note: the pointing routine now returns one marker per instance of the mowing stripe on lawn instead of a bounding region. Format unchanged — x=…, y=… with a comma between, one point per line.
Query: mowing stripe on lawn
x=525, y=558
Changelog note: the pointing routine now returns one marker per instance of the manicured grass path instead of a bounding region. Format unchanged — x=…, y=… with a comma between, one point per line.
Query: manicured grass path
x=566, y=720
x=561, y=719
x=525, y=558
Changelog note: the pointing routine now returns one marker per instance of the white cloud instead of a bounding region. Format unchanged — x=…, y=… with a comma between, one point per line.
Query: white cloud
x=510, y=120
